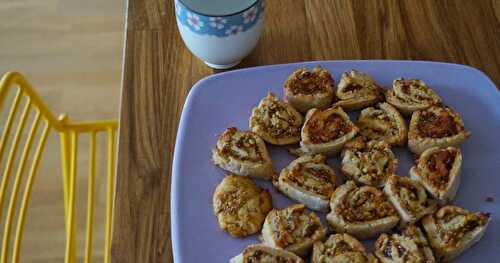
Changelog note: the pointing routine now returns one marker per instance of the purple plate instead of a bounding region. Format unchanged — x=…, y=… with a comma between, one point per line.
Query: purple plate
x=224, y=100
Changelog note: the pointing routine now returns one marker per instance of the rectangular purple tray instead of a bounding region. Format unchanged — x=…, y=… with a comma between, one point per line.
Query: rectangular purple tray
x=224, y=100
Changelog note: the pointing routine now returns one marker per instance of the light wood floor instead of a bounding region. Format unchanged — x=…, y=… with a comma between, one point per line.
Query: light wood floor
x=71, y=52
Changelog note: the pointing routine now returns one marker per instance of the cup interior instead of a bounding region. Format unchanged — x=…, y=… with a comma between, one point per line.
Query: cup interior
x=218, y=7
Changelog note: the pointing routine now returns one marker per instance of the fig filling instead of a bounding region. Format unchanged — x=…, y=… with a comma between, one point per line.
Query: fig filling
x=259, y=256
x=244, y=147
x=453, y=226
x=279, y=122
x=293, y=226
x=316, y=180
x=310, y=82
x=365, y=206
x=353, y=87
x=439, y=165
x=329, y=129
x=437, y=125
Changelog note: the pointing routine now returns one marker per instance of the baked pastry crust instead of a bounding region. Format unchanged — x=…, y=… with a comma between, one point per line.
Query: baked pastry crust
x=259, y=253
x=363, y=212
x=275, y=121
x=436, y=126
x=397, y=248
x=339, y=248
x=292, y=229
x=308, y=180
x=240, y=205
x=416, y=234
x=306, y=89
x=326, y=131
x=409, y=95
x=409, y=198
x=242, y=153
x=438, y=169
x=452, y=230
x=357, y=90
x=368, y=162
x=383, y=122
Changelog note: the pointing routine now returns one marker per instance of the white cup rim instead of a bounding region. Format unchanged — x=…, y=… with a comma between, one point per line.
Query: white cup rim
x=215, y=15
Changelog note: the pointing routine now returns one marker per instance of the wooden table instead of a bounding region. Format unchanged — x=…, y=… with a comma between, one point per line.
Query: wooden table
x=159, y=71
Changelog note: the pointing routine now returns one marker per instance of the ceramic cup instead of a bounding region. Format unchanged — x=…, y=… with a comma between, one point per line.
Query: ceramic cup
x=220, y=32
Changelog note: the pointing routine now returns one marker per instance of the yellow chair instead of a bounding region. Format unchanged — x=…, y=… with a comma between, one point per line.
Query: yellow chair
x=69, y=133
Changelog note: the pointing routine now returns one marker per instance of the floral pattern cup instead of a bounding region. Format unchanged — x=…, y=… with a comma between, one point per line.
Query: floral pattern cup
x=220, y=41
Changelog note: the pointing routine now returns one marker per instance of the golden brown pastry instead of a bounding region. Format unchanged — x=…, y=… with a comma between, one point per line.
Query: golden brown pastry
x=368, y=162
x=363, y=212
x=242, y=153
x=435, y=127
x=383, y=123
x=414, y=232
x=357, y=90
x=438, y=169
x=452, y=230
x=409, y=198
x=292, y=229
x=275, y=121
x=306, y=89
x=259, y=253
x=397, y=248
x=240, y=205
x=339, y=248
x=308, y=180
x=409, y=95
x=326, y=131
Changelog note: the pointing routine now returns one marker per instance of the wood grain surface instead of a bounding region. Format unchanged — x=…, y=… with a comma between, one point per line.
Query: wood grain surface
x=159, y=72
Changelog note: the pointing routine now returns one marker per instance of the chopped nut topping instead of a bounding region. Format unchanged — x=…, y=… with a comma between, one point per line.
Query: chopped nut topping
x=362, y=206
x=437, y=125
x=329, y=129
x=307, y=82
x=239, y=145
x=293, y=224
x=313, y=179
x=440, y=164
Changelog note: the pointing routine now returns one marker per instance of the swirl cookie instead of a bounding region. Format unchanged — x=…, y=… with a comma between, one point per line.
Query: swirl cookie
x=357, y=90
x=414, y=232
x=368, y=162
x=275, y=121
x=242, y=153
x=292, y=229
x=326, y=131
x=409, y=198
x=265, y=254
x=339, y=248
x=435, y=127
x=363, y=212
x=383, y=123
x=409, y=95
x=438, y=169
x=452, y=230
x=306, y=89
x=240, y=206
x=308, y=180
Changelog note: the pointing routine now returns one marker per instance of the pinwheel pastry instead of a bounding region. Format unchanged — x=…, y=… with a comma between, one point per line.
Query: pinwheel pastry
x=397, y=248
x=383, y=123
x=409, y=198
x=326, y=131
x=306, y=89
x=409, y=95
x=368, y=162
x=339, y=248
x=275, y=121
x=242, y=153
x=438, y=169
x=308, y=180
x=357, y=90
x=292, y=229
x=452, y=230
x=363, y=212
x=435, y=127
x=259, y=253
x=414, y=232
x=240, y=205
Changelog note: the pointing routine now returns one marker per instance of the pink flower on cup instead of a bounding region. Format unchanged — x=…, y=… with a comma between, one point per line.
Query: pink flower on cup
x=234, y=29
x=217, y=22
x=194, y=21
x=249, y=15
